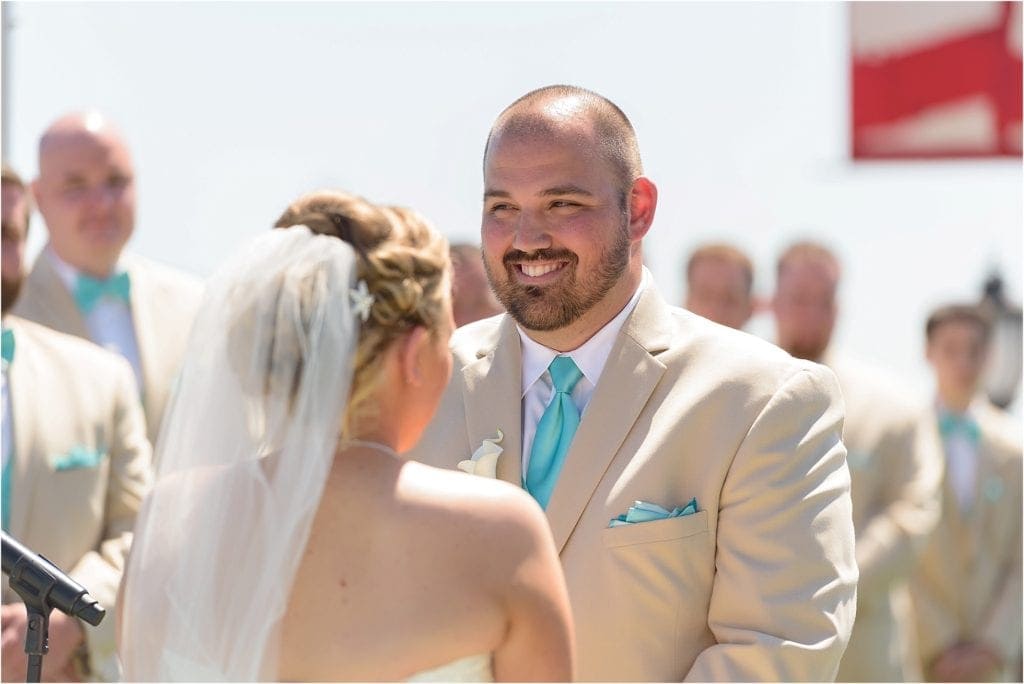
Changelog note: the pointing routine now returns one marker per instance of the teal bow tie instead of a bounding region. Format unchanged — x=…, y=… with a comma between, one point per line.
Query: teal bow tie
x=8, y=345
x=89, y=290
x=554, y=432
x=959, y=424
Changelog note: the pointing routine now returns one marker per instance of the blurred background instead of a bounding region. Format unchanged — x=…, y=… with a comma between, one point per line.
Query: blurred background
x=745, y=113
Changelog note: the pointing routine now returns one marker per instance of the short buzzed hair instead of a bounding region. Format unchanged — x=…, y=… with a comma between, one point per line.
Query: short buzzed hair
x=960, y=313
x=11, y=177
x=725, y=253
x=8, y=176
x=807, y=250
x=615, y=133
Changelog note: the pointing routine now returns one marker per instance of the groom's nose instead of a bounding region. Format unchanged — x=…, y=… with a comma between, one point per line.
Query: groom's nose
x=531, y=233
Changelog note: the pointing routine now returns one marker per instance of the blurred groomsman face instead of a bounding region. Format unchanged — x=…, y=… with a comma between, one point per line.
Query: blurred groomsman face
x=957, y=352
x=805, y=307
x=472, y=298
x=15, y=206
x=719, y=290
x=86, y=192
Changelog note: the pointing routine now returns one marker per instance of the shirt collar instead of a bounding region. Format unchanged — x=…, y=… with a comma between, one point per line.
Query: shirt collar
x=591, y=356
x=67, y=273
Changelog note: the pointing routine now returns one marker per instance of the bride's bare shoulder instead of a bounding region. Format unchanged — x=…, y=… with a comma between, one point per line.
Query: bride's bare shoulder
x=471, y=504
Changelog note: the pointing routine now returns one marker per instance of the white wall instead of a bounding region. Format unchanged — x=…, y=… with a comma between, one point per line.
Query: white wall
x=235, y=108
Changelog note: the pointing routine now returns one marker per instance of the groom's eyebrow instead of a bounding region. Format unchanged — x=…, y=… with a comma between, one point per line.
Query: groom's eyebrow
x=568, y=189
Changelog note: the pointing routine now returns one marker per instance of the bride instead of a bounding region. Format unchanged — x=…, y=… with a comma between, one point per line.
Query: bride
x=286, y=538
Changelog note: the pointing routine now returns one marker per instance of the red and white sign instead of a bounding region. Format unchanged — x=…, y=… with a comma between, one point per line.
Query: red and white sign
x=936, y=79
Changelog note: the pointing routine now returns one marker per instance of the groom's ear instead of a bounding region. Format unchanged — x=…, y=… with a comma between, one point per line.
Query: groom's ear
x=409, y=357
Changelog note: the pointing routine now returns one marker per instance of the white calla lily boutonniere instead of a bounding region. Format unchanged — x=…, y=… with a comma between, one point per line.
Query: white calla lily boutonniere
x=484, y=461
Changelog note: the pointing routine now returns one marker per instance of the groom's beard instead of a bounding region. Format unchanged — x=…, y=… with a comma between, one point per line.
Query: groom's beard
x=555, y=306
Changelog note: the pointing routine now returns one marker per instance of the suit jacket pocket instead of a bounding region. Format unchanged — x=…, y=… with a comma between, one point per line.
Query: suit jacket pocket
x=656, y=530
x=78, y=457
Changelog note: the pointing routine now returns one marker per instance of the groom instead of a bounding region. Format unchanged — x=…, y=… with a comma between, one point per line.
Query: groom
x=607, y=397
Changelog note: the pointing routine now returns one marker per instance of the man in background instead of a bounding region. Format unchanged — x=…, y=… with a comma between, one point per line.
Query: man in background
x=83, y=283
x=895, y=468
x=76, y=465
x=719, y=284
x=472, y=298
x=967, y=587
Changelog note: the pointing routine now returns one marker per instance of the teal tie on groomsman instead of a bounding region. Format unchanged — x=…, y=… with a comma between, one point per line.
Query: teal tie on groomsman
x=5, y=477
x=89, y=290
x=8, y=345
x=957, y=423
x=554, y=432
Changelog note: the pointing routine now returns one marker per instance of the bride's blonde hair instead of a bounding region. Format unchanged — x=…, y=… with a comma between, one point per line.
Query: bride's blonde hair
x=404, y=262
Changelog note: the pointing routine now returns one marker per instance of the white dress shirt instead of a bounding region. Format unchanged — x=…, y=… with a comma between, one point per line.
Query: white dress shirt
x=961, y=464
x=110, y=321
x=590, y=358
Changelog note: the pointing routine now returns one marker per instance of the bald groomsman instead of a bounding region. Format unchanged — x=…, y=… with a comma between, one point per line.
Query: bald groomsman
x=895, y=468
x=967, y=587
x=720, y=284
x=83, y=283
x=76, y=465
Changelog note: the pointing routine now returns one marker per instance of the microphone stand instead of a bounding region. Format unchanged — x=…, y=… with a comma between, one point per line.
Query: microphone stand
x=38, y=607
x=43, y=587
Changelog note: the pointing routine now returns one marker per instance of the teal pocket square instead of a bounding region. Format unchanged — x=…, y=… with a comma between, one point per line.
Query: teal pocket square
x=641, y=511
x=79, y=457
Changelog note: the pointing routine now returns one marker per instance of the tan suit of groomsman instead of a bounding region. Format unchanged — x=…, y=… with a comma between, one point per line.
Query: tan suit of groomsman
x=895, y=469
x=76, y=466
x=748, y=572
x=83, y=283
x=967, y=587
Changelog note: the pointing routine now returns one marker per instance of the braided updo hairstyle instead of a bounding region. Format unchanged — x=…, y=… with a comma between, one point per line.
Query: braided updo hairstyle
x=404, y=262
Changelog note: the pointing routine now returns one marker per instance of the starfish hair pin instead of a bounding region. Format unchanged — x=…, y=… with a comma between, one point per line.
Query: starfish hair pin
x=362, y=300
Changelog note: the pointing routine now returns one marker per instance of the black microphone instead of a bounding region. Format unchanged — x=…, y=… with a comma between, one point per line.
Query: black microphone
x=33, y=573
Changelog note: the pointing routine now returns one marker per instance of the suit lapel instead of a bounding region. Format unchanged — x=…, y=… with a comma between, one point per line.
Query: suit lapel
x=492, y=395
x=629, y=377
x=54, y=305
x=27, y=387
x=145, y=330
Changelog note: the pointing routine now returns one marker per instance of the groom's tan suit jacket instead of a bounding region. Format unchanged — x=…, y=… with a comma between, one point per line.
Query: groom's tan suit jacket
x=759, y=584
x=163, y=303
x=967, y=585
x=81, y=465
x=896, y=470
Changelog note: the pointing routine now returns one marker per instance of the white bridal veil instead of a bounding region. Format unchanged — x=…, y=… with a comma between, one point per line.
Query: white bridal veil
x=245, y=446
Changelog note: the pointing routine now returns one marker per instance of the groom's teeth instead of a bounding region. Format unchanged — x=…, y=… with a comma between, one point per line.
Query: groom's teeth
x=535, y=270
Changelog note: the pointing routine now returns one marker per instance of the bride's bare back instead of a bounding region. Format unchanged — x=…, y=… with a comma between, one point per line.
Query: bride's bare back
x=410, y=567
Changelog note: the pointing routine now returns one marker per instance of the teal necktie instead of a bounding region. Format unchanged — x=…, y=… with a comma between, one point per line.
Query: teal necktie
x=554, y=432
x=8, y=345
x=5, y=476
x=89, y=290
x=958, y=423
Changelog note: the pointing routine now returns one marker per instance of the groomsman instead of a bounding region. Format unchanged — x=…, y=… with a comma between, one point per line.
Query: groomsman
x=895, y=467
x=967, y=587
x=83, y=283
x=76, y=465
x=693, y=476
x=472, y=298
x=719, y=285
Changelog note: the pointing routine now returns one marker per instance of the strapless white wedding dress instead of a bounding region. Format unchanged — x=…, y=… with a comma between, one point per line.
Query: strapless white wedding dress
x=477, y=668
